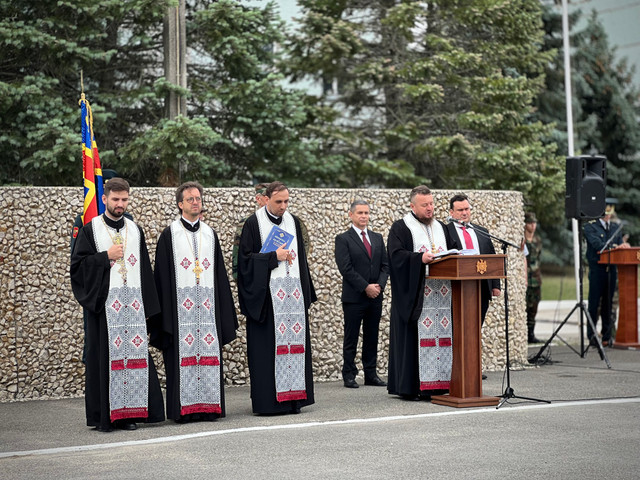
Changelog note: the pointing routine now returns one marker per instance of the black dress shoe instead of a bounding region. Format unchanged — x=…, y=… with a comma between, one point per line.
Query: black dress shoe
x=104, y=429
x=351, y=383
x=484, y=377
x=126, y=425
x=375, y=382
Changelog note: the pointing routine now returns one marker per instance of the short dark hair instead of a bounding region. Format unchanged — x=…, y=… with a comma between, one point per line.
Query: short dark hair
x=187, y=186
x=460, y=197
x=419, y=190
x=275, y=187
x=261, y=188
x=355, y=203
x=116, y=184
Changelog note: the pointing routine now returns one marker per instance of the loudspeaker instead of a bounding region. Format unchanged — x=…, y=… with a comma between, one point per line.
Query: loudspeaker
x=586, y=179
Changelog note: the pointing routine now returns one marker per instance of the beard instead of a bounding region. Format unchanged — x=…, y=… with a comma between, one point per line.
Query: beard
x=426, y=221
x=115, y=212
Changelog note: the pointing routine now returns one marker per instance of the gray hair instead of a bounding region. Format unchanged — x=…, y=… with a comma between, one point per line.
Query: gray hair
x=355, y=203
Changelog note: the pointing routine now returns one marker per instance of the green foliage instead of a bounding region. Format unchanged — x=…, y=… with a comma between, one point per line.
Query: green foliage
x=605, y=92
x=443, y=88
x=605, y=121
x=44, y=47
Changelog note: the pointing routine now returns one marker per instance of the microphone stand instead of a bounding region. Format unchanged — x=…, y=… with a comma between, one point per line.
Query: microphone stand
x=508, y=392
x=584, y=313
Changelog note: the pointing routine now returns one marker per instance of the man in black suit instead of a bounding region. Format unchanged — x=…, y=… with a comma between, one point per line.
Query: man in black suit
x=362, y=260
x=473, y=238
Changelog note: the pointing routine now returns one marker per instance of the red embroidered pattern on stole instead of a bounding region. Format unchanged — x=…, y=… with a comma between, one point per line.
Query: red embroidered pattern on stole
x=139, y=412
x=445, y=341
x=117, y=365
x=137, y=363
x=201, y=408
x=296, y=349
x=292, y=395
x=282, y=350
x=442, y=385
x=209, y=361
x=188, y=361
x=427, y=342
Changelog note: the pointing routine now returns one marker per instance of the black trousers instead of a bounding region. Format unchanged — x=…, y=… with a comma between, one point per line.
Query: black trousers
x=602, y=285
x=366, y=314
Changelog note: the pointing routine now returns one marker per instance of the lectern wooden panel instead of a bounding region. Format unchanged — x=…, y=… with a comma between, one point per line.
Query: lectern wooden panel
x=466, y=272
x=627, y=261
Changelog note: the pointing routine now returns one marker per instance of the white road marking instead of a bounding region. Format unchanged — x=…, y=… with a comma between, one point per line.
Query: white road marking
x=177, y=438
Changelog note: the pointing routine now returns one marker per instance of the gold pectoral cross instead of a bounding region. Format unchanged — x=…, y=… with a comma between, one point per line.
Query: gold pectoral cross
x=123, y=270
x=197, y=270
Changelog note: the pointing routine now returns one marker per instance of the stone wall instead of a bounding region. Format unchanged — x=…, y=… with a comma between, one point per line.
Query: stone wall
x=41, y=323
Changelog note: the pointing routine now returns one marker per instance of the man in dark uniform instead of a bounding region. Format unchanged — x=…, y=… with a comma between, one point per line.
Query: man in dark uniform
x=464, y=238
x=602, y=278
x=362, y=261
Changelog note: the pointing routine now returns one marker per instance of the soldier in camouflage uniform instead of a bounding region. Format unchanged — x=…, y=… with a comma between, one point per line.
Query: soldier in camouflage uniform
x=533, y=244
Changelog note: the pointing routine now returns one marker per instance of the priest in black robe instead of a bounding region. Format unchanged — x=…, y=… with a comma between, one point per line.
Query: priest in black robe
x=197, y=390
x=255, y=272
x=408, y=268
x=91, y=273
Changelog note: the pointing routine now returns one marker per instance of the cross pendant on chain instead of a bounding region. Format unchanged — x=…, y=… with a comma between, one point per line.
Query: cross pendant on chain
x=197, y=270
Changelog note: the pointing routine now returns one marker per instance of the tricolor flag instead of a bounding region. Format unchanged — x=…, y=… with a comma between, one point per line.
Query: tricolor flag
x=91, y=168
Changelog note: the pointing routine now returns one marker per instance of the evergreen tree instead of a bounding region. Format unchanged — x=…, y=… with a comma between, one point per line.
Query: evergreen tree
x=44, y=47
x=604, y=111
x=606, y=93
x=444, y=88
x=242, y=123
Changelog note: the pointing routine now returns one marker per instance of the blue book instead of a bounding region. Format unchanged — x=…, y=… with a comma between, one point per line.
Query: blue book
x=276, y=237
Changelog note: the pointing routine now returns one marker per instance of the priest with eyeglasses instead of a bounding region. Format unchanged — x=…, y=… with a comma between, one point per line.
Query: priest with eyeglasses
x=198, y=313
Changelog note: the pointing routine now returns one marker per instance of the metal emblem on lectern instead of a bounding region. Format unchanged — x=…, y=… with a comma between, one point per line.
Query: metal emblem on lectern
x=481, y=267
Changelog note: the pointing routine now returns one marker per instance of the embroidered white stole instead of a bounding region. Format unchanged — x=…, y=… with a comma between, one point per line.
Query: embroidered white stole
x=435, y=351
x=198, y=343
x=126, y=325
x=288, y=315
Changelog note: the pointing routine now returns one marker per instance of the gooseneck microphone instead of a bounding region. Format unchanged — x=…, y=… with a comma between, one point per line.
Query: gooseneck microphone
x=459, y=222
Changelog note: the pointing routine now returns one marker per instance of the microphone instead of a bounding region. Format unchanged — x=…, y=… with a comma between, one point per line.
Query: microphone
x=451, y=219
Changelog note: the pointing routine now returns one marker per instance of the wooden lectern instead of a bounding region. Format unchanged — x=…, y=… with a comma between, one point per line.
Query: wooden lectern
x=627, y=261
x=466, y=272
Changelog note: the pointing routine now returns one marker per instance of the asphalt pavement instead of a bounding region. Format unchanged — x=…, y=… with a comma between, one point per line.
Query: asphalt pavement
x=589, y=429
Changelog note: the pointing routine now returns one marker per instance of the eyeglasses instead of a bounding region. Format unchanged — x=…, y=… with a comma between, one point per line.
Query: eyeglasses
x=193, y=200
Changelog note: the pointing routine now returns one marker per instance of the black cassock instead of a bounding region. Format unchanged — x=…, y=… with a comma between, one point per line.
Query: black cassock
x=90, y=272
x=164, y=333
x=254, y=270
x=407, y=289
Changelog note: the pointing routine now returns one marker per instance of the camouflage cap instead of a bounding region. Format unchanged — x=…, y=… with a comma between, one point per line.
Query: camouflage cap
x=530, y=217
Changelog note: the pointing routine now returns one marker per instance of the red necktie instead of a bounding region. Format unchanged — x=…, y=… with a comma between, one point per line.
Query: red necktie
x=467, y=239
x=367, y=245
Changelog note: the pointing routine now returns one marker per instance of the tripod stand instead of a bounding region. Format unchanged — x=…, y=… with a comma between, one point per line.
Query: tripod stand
x=508, y=392
x=583, y=313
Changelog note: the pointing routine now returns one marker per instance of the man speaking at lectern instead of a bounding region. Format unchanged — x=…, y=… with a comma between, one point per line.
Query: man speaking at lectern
x=420, y=338
x=464, y=236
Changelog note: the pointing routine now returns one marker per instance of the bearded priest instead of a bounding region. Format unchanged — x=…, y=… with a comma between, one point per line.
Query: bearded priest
x=112, y=279
x=420, y=339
